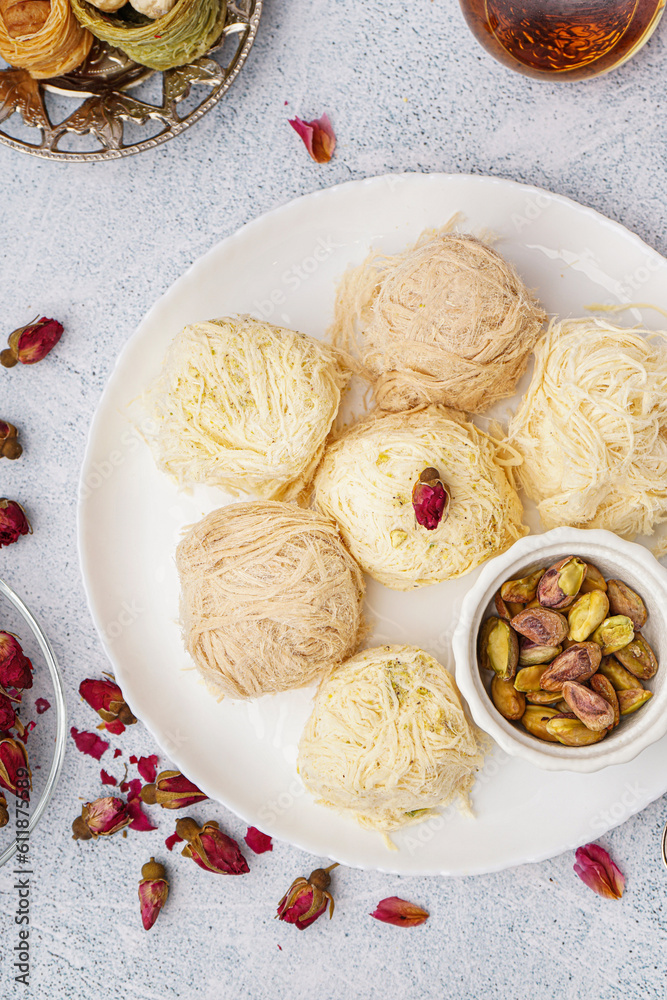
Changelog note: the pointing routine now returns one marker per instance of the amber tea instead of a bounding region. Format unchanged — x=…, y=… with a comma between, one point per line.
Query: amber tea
x=562, y=39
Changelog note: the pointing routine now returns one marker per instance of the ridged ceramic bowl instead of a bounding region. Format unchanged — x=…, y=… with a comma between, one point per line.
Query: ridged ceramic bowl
x=615, y=558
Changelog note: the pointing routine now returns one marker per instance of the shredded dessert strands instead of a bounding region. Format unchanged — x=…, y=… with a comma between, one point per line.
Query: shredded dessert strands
x=388, y=741
x=592, y=428
x=270, y=598
x=180, y=36
x=57, y=47
x=244, y=405
x=447, y=321
x=365, y=483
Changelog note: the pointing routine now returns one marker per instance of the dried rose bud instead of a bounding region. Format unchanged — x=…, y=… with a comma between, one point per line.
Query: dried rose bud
x=307, y=899
x=172, y=790
x=15, y=667
x=9, y=442
x=100, y=818
x=13, y=764
x=4, y=814
x=153, y=892
x=397, y=911
x=29, y=344
x=596, y=869
x=106, y=698
x=13, y=522
x=210, y=848
x=7, y=713
x=430, y=499
x=318, y=137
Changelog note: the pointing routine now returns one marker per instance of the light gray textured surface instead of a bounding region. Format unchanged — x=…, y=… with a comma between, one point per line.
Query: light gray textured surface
x=407, y=89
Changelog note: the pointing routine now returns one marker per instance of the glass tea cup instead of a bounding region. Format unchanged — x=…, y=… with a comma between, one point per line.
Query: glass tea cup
x=562, y=39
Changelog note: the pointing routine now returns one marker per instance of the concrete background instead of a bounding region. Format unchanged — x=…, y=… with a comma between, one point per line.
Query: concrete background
x=95, y=245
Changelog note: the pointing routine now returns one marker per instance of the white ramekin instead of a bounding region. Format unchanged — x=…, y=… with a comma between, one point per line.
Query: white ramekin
x=616, y=558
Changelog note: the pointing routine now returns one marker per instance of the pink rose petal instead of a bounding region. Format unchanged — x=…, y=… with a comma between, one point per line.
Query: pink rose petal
x=131, y=788
x=318, y=137
x=399, y=912
x=89, y=743
x=596, y=870
x=117, y=752
x=116, y=727
x=257, y=841
x=107, y=779
x=138, y=818
x=26, y=732
x=147, y=767
x=42, y=705
x=173, y=840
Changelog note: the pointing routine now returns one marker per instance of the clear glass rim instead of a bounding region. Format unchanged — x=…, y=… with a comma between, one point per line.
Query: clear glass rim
x=61, y=715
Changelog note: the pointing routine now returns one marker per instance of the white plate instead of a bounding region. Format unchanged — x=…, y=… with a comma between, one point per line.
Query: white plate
x=283, y=267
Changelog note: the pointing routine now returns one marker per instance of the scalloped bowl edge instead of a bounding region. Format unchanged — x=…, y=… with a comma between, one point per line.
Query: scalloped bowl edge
x=615, y=557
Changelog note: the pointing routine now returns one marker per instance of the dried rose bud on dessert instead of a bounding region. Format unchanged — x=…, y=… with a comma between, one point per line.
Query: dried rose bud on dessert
x=430, y=499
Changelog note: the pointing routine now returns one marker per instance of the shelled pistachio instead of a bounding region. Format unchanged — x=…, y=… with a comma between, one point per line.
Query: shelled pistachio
x=572, y=732
x=510, y=703
x=535, y=720
x=603, y=686
x=593, y=580
x=587, y=612
x=638, y=658
x=613, y=634
x=498, y=648
x=624, y=601
x=561, y=583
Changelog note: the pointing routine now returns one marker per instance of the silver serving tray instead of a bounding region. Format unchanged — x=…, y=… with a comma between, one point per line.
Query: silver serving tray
x=101, y=88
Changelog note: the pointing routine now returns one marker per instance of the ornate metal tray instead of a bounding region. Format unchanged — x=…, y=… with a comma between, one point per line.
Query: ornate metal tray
x=108, y=121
